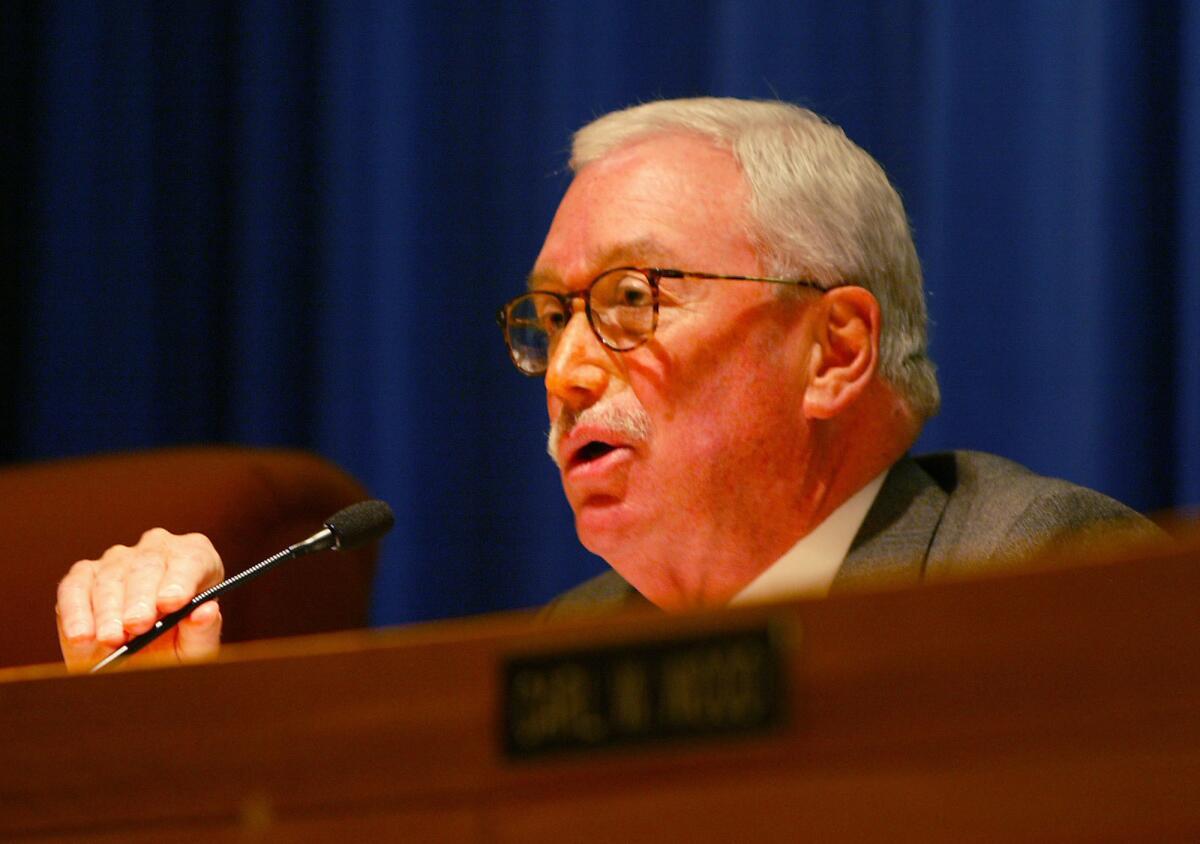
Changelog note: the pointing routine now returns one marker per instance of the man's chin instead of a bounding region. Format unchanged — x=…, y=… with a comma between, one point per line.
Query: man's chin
x=604, y=524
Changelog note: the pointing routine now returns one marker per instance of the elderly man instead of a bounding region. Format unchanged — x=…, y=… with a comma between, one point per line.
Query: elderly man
x=729, y=315
x=729, y=318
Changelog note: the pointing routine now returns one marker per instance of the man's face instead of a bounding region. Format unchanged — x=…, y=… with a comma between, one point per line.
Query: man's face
x=679, y=457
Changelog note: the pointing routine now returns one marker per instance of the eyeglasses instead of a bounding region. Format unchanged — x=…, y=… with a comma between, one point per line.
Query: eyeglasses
x=621, y=306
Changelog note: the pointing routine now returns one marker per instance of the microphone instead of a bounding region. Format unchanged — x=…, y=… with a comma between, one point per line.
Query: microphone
x=349, y=528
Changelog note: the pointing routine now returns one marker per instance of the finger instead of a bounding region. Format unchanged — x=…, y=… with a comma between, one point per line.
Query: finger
x=78, y=654
x=192, y=565
x=74, y=607
x=142, y=580
x=108, y=605
x=200, y=633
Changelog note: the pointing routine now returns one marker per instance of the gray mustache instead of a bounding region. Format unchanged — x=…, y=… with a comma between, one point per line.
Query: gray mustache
x=631, y=422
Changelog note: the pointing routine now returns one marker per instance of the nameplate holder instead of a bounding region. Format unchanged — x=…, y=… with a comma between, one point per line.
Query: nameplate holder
x=715, y=685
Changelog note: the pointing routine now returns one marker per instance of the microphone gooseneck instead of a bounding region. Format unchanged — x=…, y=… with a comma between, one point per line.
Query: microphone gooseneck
x=349, y=528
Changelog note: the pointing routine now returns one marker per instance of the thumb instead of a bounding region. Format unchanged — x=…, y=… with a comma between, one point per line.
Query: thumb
x=199, y=635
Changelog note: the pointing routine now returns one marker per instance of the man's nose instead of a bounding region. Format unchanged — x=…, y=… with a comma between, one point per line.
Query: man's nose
x=580, y=366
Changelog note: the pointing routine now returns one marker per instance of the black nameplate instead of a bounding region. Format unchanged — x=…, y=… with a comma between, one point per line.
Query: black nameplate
x=716, y=685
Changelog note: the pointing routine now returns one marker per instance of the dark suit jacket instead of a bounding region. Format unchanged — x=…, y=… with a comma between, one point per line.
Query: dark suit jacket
x=937, y=517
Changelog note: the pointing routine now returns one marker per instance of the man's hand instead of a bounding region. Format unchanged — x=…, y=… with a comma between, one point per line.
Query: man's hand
x=104, y=603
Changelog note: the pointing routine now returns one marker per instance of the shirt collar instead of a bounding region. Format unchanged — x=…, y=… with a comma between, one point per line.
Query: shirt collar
x=807, y=569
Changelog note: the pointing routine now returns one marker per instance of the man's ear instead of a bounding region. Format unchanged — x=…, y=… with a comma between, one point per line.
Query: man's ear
x=844, y=351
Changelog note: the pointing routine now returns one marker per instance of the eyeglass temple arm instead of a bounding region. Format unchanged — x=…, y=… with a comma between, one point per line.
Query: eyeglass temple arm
x=798, y=282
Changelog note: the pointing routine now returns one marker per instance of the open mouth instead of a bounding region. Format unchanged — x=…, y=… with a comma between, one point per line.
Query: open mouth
x=592, y=451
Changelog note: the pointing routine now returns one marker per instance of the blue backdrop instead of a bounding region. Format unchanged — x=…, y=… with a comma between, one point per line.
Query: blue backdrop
x=291, y=224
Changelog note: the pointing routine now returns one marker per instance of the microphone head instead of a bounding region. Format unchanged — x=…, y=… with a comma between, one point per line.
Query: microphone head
x=360, y=523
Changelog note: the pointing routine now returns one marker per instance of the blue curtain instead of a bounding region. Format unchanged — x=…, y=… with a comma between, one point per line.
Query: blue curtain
x=291, y=223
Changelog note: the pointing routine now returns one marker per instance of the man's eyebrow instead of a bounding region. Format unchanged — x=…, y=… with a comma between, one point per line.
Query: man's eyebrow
x=540, y=280
x=645, y=251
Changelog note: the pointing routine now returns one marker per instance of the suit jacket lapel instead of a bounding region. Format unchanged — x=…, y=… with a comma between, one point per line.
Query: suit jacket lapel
x=605, y=593
x=892, y=546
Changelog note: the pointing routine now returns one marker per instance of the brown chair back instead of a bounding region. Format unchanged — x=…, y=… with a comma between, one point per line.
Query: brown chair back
x=250, y=502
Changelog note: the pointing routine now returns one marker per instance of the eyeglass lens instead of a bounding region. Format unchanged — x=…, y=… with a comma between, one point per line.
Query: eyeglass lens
x=622, y=315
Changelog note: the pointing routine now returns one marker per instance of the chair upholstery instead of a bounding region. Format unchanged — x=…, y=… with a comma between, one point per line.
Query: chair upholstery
x=250, y=502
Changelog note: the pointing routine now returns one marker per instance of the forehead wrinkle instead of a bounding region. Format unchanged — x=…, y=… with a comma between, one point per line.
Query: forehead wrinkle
x=642, y=252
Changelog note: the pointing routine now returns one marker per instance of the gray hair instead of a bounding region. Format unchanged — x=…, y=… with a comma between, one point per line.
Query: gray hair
x=820, y=208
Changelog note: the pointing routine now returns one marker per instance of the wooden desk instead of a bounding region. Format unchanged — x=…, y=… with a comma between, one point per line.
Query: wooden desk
x=1063, y=705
